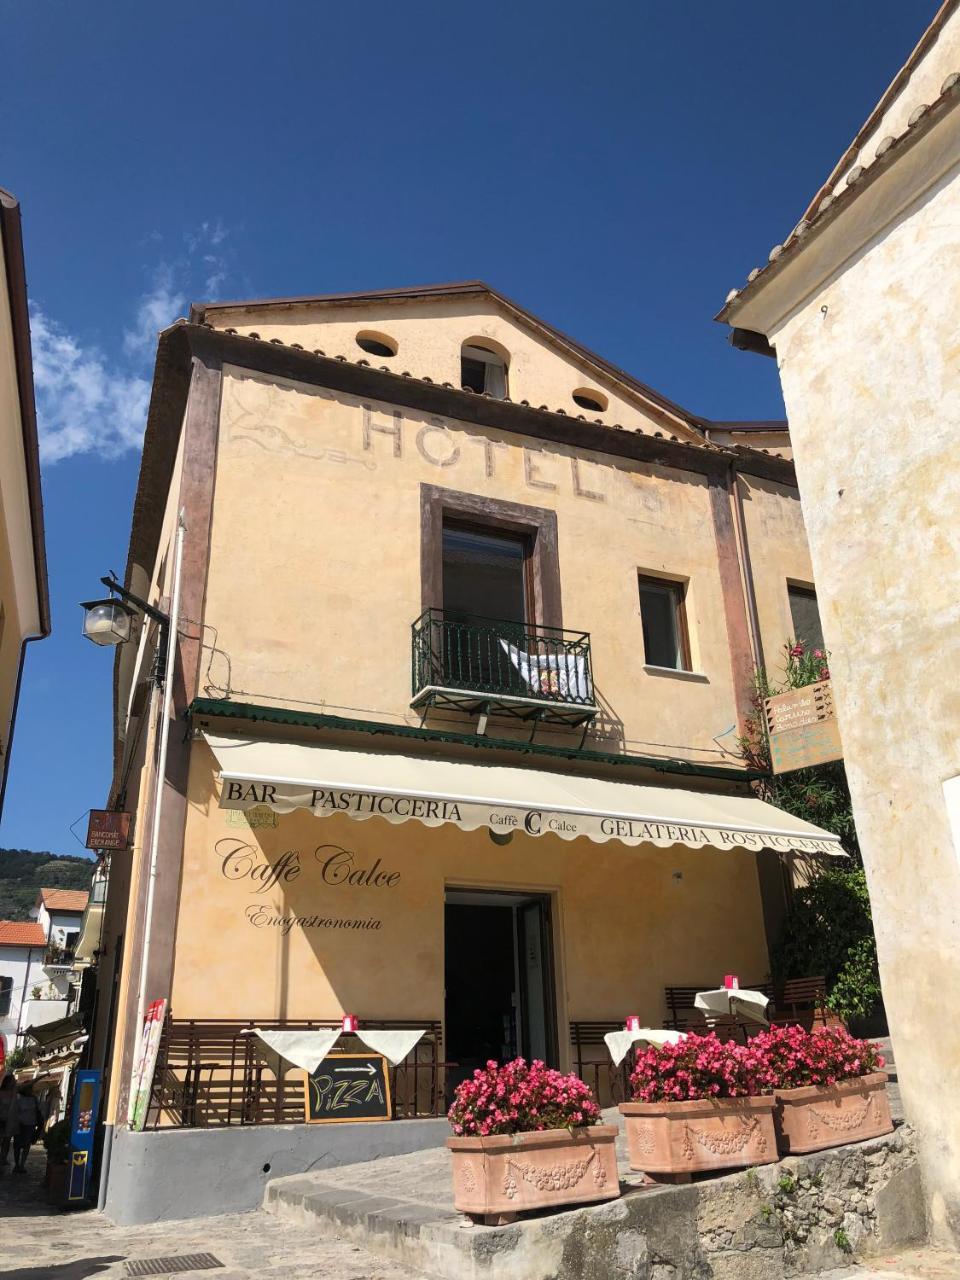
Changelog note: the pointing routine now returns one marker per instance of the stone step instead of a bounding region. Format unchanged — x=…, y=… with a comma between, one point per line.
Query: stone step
x=801, y=1215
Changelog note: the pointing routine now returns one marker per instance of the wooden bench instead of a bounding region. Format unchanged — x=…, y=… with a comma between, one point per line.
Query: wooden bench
x=593, y=1064
x=803, y=1002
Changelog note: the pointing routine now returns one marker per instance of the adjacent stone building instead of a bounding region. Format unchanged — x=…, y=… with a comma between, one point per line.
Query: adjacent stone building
x=860, y=306
x=24, y=602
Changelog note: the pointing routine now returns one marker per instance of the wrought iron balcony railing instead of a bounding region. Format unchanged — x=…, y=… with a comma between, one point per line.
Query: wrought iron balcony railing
x=483, y=663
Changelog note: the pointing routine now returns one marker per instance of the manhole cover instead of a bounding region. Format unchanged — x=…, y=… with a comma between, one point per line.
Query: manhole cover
x=164, y=1266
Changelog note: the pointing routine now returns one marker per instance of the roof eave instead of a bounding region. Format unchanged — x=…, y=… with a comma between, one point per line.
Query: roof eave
x=691, y=421
x=741, y=311
x=12, y=236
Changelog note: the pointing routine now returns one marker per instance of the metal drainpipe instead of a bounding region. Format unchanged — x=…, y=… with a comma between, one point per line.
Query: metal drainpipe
x=743, y=550
x=167, y=710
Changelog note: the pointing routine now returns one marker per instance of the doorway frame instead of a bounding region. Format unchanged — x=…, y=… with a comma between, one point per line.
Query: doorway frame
x=554, y=994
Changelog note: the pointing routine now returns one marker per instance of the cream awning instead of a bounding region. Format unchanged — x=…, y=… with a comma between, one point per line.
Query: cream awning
x=366, y=784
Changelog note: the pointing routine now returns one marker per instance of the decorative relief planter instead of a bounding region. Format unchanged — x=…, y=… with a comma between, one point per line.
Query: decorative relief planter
x=817, y=1116
x=508, y=1173
x=688, y=1137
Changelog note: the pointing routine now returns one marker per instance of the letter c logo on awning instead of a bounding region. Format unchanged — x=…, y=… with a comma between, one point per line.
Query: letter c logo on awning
x=531, y=822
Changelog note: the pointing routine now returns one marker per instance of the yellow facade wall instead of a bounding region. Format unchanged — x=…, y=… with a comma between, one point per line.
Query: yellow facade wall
x=627, y=921
x=315, y=577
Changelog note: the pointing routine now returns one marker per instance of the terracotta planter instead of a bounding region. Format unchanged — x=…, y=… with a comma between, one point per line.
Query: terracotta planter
x=504, y=1175
x=817, y=1116
x=688, y=1137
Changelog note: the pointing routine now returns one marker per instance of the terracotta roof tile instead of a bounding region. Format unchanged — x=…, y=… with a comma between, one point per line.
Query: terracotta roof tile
x=64, y=899
x=21, y=933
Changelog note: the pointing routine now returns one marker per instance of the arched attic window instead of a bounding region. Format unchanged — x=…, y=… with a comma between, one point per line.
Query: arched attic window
x=483, y=367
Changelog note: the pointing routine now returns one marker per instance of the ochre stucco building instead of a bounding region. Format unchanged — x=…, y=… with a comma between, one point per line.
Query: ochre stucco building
x=24, y=602
x=436, y=567
x=859, y=304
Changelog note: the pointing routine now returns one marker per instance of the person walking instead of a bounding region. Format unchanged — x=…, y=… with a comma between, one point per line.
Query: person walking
x=29, y=1120
x=8, y=1103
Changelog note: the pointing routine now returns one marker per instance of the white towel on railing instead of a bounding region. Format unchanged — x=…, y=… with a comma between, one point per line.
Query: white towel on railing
x=551, y=673
x=394, y=1045
x=305, y=1049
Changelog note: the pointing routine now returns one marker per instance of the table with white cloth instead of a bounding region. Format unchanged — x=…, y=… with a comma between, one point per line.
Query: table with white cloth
x=307, y=1049
x=620, y=1042
x=733, y=1002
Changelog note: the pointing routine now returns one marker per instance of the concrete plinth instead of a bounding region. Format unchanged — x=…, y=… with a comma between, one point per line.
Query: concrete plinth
x=804, y=1214
x=190, y=1173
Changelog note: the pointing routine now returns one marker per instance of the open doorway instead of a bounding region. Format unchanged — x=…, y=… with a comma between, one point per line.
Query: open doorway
x=499, y=987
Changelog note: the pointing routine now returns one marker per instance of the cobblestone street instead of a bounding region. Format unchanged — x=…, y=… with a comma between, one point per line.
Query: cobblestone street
x=38, y=1243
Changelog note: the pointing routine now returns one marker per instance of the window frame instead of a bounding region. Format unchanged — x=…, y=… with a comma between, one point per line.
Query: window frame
x=535, y=524
x=6, y=994
x=810, y=592
x=483, y=355
x=525, y=541
x=676, y=588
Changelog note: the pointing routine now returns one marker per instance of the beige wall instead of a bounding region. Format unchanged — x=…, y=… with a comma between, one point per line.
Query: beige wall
x=314, y=616
x=19, y=603
x=624, y=925
x=779, y=557
x=875, y=355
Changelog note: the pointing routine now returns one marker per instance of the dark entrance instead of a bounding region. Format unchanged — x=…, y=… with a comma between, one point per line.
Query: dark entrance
x=499, y=979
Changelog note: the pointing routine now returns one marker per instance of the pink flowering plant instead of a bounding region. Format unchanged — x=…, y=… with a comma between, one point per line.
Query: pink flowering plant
x=796, y=1057
x=699, y=1067
x=520, y=1097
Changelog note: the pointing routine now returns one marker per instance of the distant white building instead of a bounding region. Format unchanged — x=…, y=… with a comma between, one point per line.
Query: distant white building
x=36, y=960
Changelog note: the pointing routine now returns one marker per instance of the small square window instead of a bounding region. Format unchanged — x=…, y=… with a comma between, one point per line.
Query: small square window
x=806, y=617
x=664, y=624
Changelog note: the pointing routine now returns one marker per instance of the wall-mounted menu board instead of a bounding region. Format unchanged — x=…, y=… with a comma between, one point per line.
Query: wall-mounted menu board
x=348, y=1087
x=802, y=728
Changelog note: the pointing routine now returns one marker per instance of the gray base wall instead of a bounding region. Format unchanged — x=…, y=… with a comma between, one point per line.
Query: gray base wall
x=191, y=1173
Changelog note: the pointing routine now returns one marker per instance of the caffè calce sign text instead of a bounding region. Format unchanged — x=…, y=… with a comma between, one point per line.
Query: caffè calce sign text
x=338, y=868
x=470, y=815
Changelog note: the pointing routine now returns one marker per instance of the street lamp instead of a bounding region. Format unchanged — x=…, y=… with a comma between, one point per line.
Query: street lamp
x=110, y=622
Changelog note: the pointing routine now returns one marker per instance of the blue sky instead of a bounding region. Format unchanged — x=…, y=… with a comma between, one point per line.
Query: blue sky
x=615, y=168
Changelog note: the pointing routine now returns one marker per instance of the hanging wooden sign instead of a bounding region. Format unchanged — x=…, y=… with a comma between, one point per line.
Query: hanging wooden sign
x=108, y=830
x=802, y=728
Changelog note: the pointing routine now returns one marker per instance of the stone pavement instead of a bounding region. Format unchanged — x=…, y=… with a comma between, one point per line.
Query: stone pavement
x=39, y=1243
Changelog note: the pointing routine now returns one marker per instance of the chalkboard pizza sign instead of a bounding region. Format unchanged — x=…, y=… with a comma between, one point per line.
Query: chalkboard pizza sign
x=348, y=1086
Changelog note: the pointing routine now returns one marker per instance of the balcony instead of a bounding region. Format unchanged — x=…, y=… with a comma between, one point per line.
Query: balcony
x=483, y=666
x=58, y=958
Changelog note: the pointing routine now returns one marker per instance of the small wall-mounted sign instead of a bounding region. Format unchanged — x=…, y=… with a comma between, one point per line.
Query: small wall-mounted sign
x=802, y=728
x=108, y=830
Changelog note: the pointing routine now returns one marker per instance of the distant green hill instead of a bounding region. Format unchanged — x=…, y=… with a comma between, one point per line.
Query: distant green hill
x=23, y=873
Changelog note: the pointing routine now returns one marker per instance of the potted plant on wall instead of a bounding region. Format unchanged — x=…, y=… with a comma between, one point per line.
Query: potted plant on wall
x=527, y=1137
x=830, y=1087
x=699, y=1104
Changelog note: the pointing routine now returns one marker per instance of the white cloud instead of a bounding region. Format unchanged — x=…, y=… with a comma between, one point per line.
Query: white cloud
x=156, y=310
x=83, y=405
x=88, y=402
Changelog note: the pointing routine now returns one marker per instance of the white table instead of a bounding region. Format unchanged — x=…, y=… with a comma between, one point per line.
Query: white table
x=620, y=1042
x=733, y=1001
